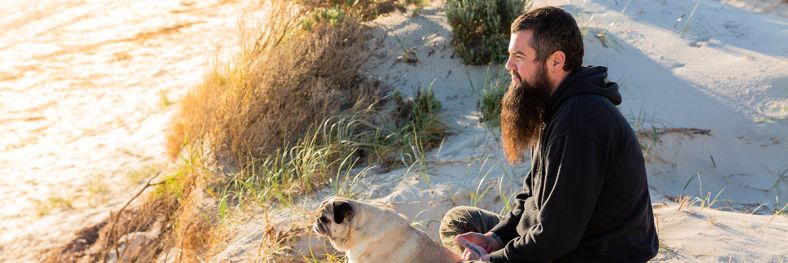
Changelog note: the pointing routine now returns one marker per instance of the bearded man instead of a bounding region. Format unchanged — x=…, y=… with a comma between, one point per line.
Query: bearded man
x=586, y=197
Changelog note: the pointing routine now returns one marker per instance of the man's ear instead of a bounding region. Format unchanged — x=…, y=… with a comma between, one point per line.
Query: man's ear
x=556, y=61
x=342, y=211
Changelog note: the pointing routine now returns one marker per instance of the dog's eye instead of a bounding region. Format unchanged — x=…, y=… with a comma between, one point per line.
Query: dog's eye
x=323, y=219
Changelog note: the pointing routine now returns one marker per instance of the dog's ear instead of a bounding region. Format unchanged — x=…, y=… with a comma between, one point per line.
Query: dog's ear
x=342, y=211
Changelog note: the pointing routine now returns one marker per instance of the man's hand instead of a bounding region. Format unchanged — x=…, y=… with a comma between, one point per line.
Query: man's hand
x=472, y=251
x=485, y=241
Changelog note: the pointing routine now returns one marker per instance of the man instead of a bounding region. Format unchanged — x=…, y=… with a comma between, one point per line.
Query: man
x=586, y=196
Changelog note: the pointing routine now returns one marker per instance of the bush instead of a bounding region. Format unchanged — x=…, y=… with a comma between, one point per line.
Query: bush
x=481, y=28
x=493, y=89
x=420, y=116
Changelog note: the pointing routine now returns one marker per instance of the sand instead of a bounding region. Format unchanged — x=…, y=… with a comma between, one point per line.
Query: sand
x=87, y=89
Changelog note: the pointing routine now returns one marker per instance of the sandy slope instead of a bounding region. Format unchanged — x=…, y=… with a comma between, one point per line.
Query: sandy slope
x=706, y=235
x=727, y=73
x=82, y=88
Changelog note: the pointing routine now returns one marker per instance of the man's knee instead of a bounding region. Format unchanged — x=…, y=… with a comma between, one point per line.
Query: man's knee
x=458, y=219
x=458, y=213
x=463, y=219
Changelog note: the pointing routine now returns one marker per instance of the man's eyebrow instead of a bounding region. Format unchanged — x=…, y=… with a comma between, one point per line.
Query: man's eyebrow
x=518, y=53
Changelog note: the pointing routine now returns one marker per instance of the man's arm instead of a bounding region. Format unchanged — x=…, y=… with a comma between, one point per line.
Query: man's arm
x=574, y=173
x=507, y=228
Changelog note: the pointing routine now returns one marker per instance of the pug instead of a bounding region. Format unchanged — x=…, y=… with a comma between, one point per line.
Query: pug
x=370, y=233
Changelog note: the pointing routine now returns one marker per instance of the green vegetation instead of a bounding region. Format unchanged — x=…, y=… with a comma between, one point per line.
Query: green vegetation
x=481, y=28
x=334, y=148
x=494, y=87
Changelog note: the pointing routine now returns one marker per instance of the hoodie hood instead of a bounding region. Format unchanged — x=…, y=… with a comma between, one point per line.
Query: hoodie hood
x=591, y=80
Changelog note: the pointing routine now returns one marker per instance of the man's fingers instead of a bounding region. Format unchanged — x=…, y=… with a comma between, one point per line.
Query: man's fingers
x=476, y=238
x=473, y=237
x=468, y=255
x=474, y=248
x=465, y=235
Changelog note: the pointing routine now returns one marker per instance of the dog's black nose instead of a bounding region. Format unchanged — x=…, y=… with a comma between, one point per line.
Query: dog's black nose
x=321, y=225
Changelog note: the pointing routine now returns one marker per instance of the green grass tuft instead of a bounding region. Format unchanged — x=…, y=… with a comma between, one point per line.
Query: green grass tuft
x=494, y=87
x=330, y=153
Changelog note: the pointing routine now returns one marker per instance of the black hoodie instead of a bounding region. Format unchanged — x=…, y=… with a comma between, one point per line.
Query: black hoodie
x=586, y=197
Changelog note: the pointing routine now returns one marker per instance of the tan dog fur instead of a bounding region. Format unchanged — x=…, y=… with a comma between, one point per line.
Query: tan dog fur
x=370, y=233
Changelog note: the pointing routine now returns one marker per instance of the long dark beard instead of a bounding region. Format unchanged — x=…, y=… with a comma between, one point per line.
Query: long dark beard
x=522, y=110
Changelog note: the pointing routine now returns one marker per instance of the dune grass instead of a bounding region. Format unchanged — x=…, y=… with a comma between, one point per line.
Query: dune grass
x=284, y=79
x=496, y=80
x=287, y=123
x=330, y=152
x=257, y=114
x=290, y=111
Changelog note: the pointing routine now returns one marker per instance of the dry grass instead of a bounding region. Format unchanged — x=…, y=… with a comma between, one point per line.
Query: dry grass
x=291, y=109
x=276, y=244
x=173, y=211
x=102, y=241
x=194, y=227
x=650, y=135
x=283, y=81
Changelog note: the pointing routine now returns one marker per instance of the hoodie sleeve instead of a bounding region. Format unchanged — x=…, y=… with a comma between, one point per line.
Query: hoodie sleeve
x=574, y=173
x=507, y=227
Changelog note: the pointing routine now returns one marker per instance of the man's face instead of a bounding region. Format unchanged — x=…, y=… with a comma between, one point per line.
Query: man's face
x=522, y=64
x=525, y=102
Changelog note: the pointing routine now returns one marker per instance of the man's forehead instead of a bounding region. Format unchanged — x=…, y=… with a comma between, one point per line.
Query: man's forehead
x=520, y=42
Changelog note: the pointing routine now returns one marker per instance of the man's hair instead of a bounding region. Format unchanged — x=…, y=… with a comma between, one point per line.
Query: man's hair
x=553, y=29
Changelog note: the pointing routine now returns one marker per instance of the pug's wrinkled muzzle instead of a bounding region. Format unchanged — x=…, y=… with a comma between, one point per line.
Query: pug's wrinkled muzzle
x=321, y=225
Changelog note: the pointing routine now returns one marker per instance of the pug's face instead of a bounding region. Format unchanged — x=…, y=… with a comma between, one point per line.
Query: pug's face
x=335, y=221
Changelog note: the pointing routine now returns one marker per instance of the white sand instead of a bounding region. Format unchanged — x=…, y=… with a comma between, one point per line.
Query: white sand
x=81, y=104
x=726, y=72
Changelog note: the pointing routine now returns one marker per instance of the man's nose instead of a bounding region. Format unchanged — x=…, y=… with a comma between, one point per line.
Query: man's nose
x=509, y=65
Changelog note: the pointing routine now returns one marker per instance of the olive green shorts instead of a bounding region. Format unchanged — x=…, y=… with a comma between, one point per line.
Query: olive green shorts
x=463, y=219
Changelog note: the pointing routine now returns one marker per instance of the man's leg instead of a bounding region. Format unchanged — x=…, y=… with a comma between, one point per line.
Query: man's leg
x=463, y=219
